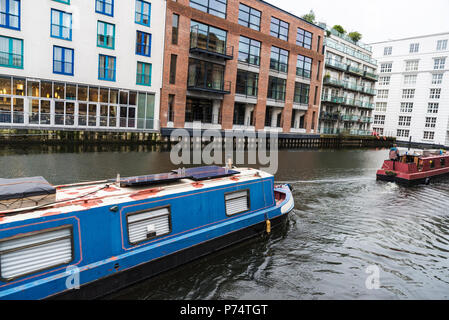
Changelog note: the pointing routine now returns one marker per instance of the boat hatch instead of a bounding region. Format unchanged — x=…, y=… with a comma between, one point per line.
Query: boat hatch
x=196, y=174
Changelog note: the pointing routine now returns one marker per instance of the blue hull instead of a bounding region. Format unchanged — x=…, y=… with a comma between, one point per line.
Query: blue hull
x=106, y=260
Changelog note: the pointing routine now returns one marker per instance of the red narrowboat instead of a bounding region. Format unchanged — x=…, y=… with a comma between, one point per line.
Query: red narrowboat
x=416, y=167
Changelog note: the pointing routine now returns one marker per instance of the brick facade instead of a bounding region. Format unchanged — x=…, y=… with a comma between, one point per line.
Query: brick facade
x=235, y=30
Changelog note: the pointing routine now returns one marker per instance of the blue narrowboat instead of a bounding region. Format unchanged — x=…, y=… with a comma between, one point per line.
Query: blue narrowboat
x=86, y=240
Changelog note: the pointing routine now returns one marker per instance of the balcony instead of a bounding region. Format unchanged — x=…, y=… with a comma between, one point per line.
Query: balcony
x=331, y=63
x=334, y=82
x=332, y=99
x=367, y=119
x=369, y=91
x=209, y=45
x=220, y=87
x=329, y=116
x=368, y=105
x=371, y=76
x=355, y=70
x=345, y=49
x=350, y=117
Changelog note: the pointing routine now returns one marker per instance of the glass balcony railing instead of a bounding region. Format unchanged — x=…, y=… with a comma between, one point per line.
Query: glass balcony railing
x=347, y=38
x=333, y=99
x=336, y=64
x=350, y=51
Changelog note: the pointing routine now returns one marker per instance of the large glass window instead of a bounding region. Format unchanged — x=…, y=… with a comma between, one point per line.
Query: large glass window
x=143, y=44
x=302, y=93
x=143, y=12
x=279, y=28
x=276, y=88
x=215, y=7
x=199, y=110
x=11, y=52
x=304, y=38
x=174, y=30
x=106, y=68
x=105, y=7
x=206, y=75
x=304, y=67
x=105, y=35
x=208, y=38
x=10, y=14
x=247, y=83
x=61, y=24
x=144, y=73
x=249, y=17
x=279, y=59
x=249, y=51
x=62, y=60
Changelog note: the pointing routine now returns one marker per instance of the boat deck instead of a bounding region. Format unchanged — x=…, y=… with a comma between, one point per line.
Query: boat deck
x=89, y=195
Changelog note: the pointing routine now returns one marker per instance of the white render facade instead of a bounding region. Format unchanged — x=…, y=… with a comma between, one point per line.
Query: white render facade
x=413, y=89
x=81, y=64
x=348, y=94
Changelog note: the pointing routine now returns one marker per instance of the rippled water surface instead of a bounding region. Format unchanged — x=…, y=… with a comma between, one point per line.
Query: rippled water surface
x=343, y=223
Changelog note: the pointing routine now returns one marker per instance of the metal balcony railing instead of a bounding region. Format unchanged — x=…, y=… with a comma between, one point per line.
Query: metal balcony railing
x=220, y=87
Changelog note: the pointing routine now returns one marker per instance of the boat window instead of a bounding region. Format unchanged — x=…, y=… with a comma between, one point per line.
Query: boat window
x=432, y=164
x=148, y=224
x=442, y=162
x=33, y=252
x=237, y=202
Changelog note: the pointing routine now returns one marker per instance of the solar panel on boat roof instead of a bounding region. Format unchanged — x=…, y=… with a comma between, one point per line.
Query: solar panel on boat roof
x=204, y=173
x=151, y=179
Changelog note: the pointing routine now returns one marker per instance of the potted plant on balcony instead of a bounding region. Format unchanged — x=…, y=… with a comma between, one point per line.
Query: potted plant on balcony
x=327, y=76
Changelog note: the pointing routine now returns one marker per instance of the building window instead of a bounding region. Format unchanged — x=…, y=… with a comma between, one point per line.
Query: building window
x=63, y=60
x=406, y=107
x=414, y=47
x=247, y=83
x=382, y=94
x=61, y=24
x=279, y=29
x=276, y=88
x=379, y=119
x=249, y=17
x=441, y=45
x=403, y=133
x=11, y=52
x=105, y=35
x=10, y=14
x=302, y=91
x=215, y=7
x=105, y=7
x=404, y=121
x=143, y=12
x=304, y=67
x=249, y=51
x=386, y=67
x=431, y=122
x=435, y=93
x=144, y=73
x=173, y=62
x=206, y=75
x=388, y=51
x=412, y=65
x=432, y=107
x=18, y=254
x=143, y=44
x=174, y=30
x=429, y=135
x=203, y=36
x=438, y=63
x=279, y=59
x=384, y=81
x=381, y=107
x=437, y=78
x=63, y=1
x=304, y=38
x=379, y=131
x=408, y=93
x=410, y=79
x=106, y=69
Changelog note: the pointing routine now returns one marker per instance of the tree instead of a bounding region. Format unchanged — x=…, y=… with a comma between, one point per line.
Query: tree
x=310, y=17
x=355, y=36
x=339, y=28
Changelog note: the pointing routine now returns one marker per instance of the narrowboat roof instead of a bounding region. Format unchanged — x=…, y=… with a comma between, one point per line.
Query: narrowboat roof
x=85, y=196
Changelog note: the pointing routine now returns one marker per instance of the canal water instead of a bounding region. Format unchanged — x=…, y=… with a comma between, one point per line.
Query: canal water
x=346, y=229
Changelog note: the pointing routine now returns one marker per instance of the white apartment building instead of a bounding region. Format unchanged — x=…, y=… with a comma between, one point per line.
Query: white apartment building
x=81, y=64
x=347, y=100
x=413, y=89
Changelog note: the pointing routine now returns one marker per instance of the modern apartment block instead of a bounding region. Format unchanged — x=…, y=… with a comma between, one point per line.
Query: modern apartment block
x=240, y=65
x=81, y=64
x=413, y=89
x=349, y=79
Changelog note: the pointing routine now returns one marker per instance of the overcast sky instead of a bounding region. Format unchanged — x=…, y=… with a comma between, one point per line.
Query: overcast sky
x=376, y=20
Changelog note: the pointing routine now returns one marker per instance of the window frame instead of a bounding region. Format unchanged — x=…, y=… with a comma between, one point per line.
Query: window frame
x=304, y=34
x=61, y=26
x=250, y=14
x=7, y=14
x=105, y=35
x=107, y=57
x=143, y=75
x=277, y=23
x=304, y=61
x=142, y=6
x=248, y=197
x=103, y=4
x=11, y=53
x=248, y=54
x=63, y=61
x=277, y=65
x=207, y=8
x=142, y=44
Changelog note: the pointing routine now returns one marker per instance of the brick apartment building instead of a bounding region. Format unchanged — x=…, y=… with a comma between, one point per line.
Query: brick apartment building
x=240, y=65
